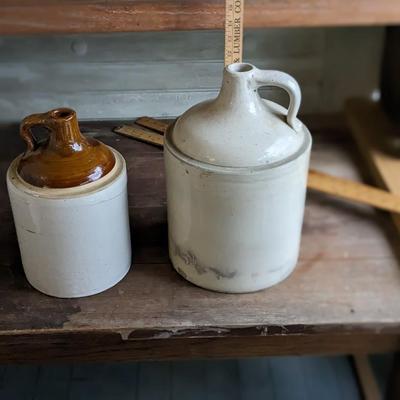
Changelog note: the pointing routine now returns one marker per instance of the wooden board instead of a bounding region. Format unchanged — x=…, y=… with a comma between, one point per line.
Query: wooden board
x=123, y=76
x=344, y=296
x=368, y=384
x=53, y=16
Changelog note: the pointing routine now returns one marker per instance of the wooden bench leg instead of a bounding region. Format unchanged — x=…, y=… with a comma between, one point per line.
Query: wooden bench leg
x=393, y=386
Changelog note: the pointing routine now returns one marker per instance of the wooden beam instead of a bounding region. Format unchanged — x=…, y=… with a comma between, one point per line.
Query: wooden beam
x=366, y=378
x=63, y=16
x=102, y=346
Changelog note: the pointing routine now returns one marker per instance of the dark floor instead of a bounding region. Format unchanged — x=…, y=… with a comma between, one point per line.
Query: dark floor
x=278, y=378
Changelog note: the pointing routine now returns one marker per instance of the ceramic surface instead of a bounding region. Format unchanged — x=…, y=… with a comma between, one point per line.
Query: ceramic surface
x=66, y=158
x=238, y=128
x=74, y=242
x=236, y=175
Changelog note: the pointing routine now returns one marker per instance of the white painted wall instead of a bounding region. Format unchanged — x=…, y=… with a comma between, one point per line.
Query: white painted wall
x=121, y=76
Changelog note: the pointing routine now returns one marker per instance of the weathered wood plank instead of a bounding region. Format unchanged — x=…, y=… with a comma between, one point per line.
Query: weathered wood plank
x=53, y=16
x=170, y=46
x=119, y=76
x=104, y=346
x=343, y=297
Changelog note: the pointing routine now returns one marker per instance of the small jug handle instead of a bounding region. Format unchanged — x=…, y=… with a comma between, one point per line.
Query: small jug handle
x=27, y=124
x=289, y=84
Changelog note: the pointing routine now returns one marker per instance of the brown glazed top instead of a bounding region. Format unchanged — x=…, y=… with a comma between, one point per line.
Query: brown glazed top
x=66, y=158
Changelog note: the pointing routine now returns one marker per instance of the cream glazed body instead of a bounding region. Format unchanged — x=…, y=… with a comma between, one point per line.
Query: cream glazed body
x=236, y=170
x=75, y=241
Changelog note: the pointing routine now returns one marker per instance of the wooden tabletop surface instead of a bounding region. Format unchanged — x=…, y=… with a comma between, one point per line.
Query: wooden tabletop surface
x=344, y=295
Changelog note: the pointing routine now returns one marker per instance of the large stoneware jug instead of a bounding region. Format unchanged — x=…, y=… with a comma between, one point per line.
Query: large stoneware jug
x=69, y=200
x=236, y=170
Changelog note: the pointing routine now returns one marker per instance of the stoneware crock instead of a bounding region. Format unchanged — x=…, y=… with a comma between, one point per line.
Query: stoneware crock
x=69, y=201
x=236, y=170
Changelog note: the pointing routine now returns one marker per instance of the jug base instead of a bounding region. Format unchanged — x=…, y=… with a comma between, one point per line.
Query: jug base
x=237, y=288
x=85, y=293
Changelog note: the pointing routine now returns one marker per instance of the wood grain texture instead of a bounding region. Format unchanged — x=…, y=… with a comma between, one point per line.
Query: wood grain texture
x=344, y=295
x=52, y=16
x=153, y=124
x=138, y=133
x=107, y=346
x=124, y=75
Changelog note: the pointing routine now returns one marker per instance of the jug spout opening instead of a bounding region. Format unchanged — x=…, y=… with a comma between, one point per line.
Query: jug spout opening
x=239, y=68
x=238, y=88
x=63, y=113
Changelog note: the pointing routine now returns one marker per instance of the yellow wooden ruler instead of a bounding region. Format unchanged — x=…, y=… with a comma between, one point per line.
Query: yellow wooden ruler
x=140, y=134
x=151, y=123
x=233, y=31
x=354, y=191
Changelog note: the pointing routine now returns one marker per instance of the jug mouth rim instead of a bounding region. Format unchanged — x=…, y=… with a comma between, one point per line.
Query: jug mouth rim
x=63, y=113
x=242, y=68
x=232, y=170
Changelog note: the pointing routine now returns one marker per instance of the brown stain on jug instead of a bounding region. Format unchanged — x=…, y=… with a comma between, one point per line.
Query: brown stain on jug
x=66, y=158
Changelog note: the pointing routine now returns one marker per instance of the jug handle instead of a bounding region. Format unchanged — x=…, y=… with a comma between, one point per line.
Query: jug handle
x=287, y=83
x=25, y=129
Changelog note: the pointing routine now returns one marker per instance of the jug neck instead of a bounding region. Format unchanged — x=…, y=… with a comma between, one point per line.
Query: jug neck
x=239, y=90
x=66, y=158
x=65, y=130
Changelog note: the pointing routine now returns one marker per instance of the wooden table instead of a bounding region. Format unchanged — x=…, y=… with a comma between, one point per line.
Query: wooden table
x=343, y=297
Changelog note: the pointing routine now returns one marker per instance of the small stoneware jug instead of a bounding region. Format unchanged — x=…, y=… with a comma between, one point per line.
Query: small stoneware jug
x=236, y=170
x=69, y=200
